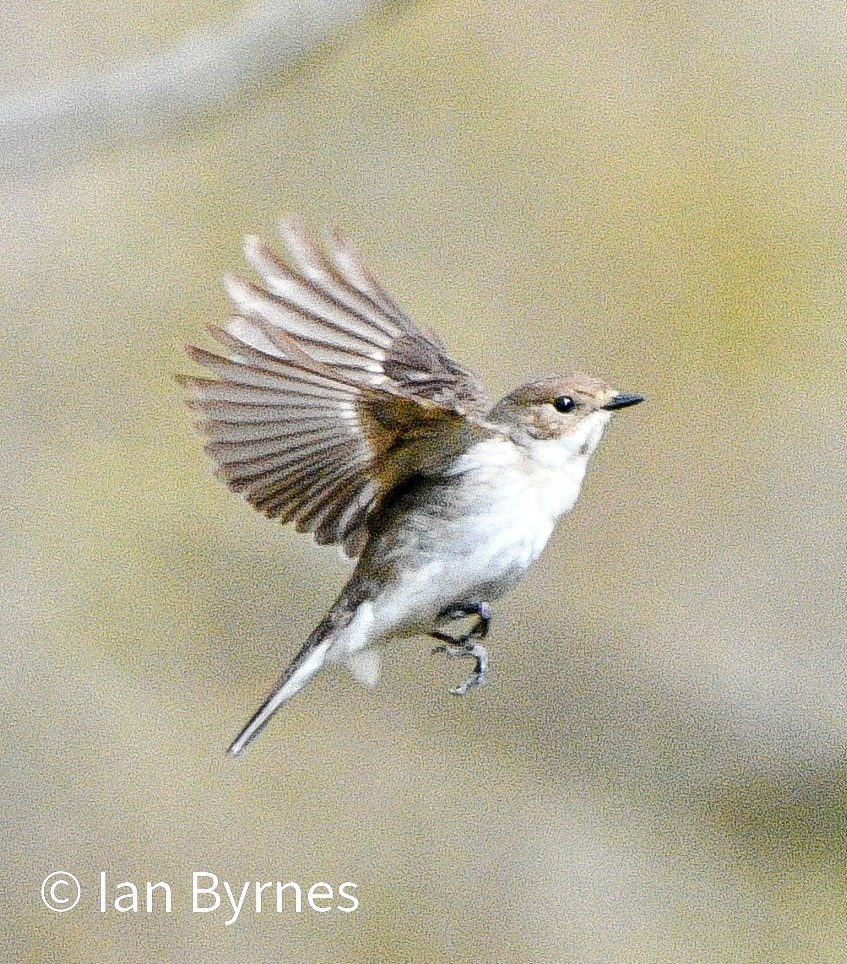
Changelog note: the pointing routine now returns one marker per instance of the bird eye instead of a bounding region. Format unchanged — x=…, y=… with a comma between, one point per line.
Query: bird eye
x=564, y=403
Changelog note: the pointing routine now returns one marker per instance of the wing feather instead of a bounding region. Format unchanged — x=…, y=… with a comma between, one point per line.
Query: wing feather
x=294, y=455
x=286, y=502
x=304, y=494
x=231, y=450
x=225, y=432
x=317, y=295
x=254, y=302
x=357, y=273
x=325, y=277
x=327, y=396
x=207, y=389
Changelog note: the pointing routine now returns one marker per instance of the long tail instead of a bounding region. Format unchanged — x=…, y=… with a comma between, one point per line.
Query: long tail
x=303, y=667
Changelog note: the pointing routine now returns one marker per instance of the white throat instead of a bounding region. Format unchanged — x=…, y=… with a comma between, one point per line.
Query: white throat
x=559, y=464
x=579, y=444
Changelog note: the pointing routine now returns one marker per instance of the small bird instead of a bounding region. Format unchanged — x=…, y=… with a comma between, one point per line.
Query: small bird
x=331, y=409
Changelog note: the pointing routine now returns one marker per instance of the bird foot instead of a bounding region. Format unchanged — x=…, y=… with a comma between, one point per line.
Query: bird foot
x=466, y=646
x=465, y=649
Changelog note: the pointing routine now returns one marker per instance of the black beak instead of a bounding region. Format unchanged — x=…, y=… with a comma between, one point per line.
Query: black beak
x=621, y=401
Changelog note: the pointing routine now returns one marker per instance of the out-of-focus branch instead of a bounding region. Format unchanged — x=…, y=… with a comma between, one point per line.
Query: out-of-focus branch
x=165, y=90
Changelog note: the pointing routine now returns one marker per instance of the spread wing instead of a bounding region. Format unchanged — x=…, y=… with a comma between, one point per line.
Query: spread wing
x=327, y=396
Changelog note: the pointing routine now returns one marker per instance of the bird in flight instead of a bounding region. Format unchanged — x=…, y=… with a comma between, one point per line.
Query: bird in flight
x=331, y=409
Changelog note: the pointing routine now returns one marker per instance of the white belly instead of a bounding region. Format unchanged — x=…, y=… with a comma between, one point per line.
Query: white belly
x=508, y=507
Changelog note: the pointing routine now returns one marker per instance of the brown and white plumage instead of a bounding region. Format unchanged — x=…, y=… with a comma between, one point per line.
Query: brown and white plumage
x=329, y=408
x=328, y=396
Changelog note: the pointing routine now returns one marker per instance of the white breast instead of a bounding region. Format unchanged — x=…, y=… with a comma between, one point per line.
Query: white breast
x=509, y=500
x=540, y=480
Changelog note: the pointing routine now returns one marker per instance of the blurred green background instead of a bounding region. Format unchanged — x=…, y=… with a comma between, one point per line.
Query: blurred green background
x=656, y=193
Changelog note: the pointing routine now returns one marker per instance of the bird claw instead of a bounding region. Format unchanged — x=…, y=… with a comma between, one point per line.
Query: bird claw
x=477, y=678
x=465, y=648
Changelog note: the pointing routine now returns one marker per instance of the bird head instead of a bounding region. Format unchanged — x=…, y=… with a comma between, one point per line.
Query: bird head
x=572, y=410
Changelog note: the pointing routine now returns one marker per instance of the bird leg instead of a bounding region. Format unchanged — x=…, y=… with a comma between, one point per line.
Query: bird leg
x=467, y=645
